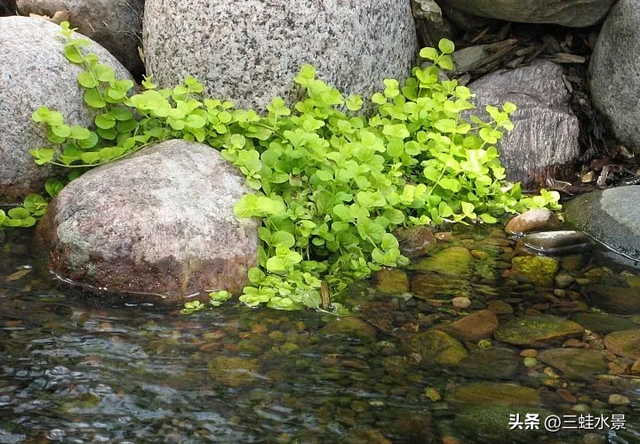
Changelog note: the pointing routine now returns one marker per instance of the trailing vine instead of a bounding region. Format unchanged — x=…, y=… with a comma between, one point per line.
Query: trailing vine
x=331, y=185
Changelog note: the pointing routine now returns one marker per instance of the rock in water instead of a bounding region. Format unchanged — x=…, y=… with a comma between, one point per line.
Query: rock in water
x=537, y=330
x=35, y=72
x=250, y=51
x=575, y=363
x=613, y=69
x=572, y=13
x=611, y=216
x=159, y=224
x=533, y=220
x=115, y=24
x=552, y=242
x=544, y=141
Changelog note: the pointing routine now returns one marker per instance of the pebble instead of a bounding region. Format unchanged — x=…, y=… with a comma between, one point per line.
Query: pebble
x=461, y=302
x=530, y=362
x=500, y=307
x=616, y=399
x=529, y=353
x=538, y=219
x=635, y=368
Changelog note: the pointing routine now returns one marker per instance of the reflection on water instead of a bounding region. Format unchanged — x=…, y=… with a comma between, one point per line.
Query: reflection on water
x=73, y=374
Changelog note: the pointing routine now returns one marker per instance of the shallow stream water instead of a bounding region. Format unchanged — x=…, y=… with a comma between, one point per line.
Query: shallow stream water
x=70, y=373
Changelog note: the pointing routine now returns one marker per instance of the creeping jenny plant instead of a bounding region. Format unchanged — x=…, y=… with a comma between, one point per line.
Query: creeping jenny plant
x=331, y=184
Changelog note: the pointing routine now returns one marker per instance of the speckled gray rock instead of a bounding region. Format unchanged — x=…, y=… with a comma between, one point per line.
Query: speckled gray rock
x=544, y=142
x=611, y=216
x=156, y=226
x=250, y=51
x=115, y=24
x=614, y=72
x=573, y=13
x=34, y=72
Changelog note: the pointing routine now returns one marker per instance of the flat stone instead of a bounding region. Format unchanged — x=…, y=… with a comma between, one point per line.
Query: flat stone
x=116, y=24
x=391, y=281
x=615, y=299
x=450, y=261
x=158, y=225
x=537, y=330
x=253, y=49
x=575, y=363
x=474, y=327
x=500, y=307
x=540, y=270
x=234, y=371
x=603, y=323
x=485, y=424
x=557, y=242
x=351, y=327
x=614, y=72
x=611, y=217
x=35, y=72
x=624, y=343
x=492, y=364
x=437, y=347
x=493, y=393
x=433, y=285
x=544, y=141
x=533, y=220
x=571, y=13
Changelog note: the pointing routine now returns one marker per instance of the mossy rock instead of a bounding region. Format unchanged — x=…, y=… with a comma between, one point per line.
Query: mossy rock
x=603, y=323
x=351, y=327
x=494, y=393
x=234, y=371
x=437, y=347
x=537, y=330
x=539, y=269
x=575, y=363
x=450, y=261
x=391, y=281
x=489, y=424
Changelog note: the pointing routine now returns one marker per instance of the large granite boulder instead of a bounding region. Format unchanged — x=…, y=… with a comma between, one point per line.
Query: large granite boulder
x=572, y=13
x=611, y=216
x=544, y=141
x=156, y=226
x=250, y=51
x=115, y=24
x=35, y=72
x=615, y=72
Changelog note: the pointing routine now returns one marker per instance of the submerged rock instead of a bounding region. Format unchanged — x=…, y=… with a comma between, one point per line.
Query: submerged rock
x=533, y=220
x=391, y=281
x=351, y=327
x=437, y=347
x=615, y=299
x=624, y=343
x=492, y=364
x=557, y=242
x=253, y=49
x=35, y=72
x=450, y=261
x=116, y=24
x=493, y=393
x=159, y=224
x=540, y=270
x=544, y=141
x=474, y=327
x=234, y=371
x=603, y=323
x=489, y=424
x=537, y=330
x=575, y=363
x=610, y=216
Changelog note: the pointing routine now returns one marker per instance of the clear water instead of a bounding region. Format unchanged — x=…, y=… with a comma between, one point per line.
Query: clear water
x=70, y=373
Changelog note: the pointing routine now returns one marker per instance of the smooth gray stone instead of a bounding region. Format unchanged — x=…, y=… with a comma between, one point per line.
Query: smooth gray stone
x=158, y=226
x=614, y=72
x=35, y=72
x=249, y=51
x=562, y=241
x=612, y=217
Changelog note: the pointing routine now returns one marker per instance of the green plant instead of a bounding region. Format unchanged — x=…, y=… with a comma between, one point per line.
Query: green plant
x=33, y=207
x=331, y=185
